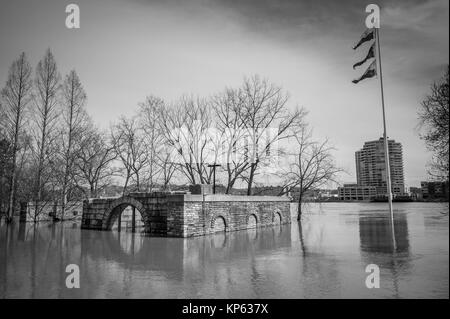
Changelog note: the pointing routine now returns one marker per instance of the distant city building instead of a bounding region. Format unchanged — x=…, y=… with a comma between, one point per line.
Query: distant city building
x=415, y=193
x=371, y=166
x=435, y=190
x=327, y=194
x=356, y=192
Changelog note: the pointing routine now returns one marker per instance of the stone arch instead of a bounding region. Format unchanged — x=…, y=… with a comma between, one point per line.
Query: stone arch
x=218, y=224
x=116, y=208
x=252, y=221
x=276, y=218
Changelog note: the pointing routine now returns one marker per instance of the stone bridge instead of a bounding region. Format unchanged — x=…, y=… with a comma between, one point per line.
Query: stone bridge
x=186, y=215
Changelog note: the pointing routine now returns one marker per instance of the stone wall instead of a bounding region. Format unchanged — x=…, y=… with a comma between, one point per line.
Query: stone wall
x=175, y=216
x=93, y=213
x=187, y=215
x=155, y=212
x=236, y=212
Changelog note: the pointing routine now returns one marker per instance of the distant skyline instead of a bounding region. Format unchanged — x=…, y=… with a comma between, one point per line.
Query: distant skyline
x=126, y=50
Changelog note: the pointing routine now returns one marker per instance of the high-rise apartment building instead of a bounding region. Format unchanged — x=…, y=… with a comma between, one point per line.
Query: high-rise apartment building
x=371, y=166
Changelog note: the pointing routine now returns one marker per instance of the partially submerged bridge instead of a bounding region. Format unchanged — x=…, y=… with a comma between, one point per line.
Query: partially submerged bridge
x=186, y=215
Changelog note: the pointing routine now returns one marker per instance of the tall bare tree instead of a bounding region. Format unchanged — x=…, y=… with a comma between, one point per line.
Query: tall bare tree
x=15, y=98
x=310, y=166
x=158, y=157
x=47, y=84
x=266, y=118
x=434, y=123
x=75, y=121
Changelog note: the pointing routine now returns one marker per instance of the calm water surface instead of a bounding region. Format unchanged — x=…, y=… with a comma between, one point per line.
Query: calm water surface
x=324, y=256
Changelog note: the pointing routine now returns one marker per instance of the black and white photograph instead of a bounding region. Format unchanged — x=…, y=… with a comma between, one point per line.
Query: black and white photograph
x=224, y=154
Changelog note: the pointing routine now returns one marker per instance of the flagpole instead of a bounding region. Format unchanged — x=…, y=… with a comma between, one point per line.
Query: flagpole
x=386, y=145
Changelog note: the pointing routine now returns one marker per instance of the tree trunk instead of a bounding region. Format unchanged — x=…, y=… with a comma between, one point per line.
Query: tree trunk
x=93, y=191
x=12, y=193
x=63, y=204
x=10, y=213
x=133, y=220
x=299, y=209
x=36, y=211
x=38, y=191
x=250, y=178
x=302, y=241
x=67, y=165
x=126, y=184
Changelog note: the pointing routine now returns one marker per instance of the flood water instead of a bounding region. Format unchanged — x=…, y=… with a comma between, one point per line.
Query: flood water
x=324, y=256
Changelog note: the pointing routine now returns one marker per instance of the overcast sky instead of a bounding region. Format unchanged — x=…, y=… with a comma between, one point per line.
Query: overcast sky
x=126, y=50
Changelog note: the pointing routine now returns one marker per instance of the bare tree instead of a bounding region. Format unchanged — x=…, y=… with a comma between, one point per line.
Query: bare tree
x=131, y=148
x=158, y=155
x=15, y=98
x=227, y=107
x=434, y=122
x=45, y=118
x=266, y=118
x=94, y=155
x=185, y=127
x=311, y=166
x=167, y=168
x=74, y=119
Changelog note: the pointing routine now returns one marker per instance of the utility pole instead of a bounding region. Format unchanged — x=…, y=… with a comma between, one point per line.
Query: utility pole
x=214, y=175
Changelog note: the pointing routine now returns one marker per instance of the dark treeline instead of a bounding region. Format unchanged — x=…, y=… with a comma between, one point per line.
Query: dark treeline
x=51, y=150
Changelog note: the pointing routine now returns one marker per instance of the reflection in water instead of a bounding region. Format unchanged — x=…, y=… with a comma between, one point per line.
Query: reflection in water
x=34, y=258
x=324, y=256
x=376, y=233
x=319, y=270
x=386, y=244
x=129, y=242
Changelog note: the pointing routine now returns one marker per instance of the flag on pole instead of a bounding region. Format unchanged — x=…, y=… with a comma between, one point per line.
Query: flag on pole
x=370, y=72
x=370, y=54
x=368, y=35
x=373, y=33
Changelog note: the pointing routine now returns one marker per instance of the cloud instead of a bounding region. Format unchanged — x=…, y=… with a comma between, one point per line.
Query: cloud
x=423, y=16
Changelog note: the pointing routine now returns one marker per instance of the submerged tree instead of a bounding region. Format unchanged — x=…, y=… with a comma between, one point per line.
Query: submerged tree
x=434, y=123
x=15, y=98
x=74, y=125
x=309, y=167
x=45, y=116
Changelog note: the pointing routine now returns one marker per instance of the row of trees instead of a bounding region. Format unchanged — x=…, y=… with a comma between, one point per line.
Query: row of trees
x=50, y=148
x=249, y=130
x=52, y=151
